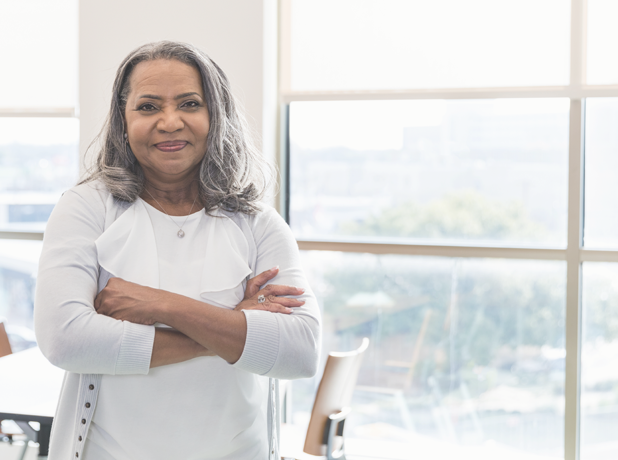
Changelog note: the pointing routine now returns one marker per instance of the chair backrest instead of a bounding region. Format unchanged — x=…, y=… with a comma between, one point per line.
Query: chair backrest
x=5, y=346
x=334, y=393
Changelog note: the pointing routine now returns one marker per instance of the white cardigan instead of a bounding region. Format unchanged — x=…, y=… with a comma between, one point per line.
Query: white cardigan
x=74, y=337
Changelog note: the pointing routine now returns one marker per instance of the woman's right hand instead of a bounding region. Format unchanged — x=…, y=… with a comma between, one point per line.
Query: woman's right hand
x=272, y=294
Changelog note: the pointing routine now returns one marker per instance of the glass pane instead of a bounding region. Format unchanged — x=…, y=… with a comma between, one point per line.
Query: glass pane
x=38, y=51
x=38, y=162
x=602, y=36
x=466, y=358
x=491, y=171
x=19, y=260
x=599, y=378
x=601, y=222
x=395, y=44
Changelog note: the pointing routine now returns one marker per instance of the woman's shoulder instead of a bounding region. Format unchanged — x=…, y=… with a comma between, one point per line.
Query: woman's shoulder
x=264, y=216
x=264, y=224
x=90, y=198
x=91, y=191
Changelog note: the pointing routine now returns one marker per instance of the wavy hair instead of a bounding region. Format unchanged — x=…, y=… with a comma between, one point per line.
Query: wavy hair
x=233, y=174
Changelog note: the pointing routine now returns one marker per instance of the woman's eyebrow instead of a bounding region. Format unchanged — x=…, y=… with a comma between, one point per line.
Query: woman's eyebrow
x=180, y=96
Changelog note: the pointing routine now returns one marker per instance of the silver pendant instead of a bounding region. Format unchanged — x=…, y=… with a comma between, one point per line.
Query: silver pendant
x=180, y=233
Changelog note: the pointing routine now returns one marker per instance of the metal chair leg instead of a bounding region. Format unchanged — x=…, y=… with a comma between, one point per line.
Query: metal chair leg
x=334, y=427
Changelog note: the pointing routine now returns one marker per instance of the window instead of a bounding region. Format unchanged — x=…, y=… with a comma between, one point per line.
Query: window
x=486, y=171
x=39, y=133
x=371, y=45
x=436, y=177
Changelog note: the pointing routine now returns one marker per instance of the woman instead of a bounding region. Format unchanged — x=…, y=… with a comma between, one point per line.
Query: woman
x=145, y=292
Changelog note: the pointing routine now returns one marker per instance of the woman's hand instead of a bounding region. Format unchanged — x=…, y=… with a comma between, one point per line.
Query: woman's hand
x=128, y=301
x=273, y=302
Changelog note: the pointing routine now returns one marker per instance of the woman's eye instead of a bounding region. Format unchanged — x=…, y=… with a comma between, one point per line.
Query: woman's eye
x=191, y=104
x=147, y=107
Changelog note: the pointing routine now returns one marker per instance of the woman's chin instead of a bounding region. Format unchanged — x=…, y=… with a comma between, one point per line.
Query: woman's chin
x=177, y=169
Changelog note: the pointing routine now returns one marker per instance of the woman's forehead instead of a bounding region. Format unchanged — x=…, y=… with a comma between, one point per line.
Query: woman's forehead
x=165, y=77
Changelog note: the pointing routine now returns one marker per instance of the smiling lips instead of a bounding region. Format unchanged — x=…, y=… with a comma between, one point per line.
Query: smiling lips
x=171, y=146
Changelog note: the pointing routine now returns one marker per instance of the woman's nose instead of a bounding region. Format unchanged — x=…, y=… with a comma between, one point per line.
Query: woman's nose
x=170, y=121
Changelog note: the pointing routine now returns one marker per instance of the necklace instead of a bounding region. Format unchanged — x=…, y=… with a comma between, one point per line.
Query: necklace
x=181, y=233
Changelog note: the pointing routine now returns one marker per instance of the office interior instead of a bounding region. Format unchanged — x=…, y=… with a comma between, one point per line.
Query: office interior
x=448, y=169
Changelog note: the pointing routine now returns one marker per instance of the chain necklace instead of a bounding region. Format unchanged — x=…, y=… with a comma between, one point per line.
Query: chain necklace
x=181, y=233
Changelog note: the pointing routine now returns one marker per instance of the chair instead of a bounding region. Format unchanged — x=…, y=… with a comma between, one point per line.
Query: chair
x=24, y=430
x=332, y=404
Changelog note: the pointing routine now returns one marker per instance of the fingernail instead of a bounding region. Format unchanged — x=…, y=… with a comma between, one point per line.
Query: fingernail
x=301, y=289
x=289, y=310
x=275, y=268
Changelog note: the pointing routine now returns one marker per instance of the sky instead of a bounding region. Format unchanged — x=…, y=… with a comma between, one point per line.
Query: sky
x=379, y=125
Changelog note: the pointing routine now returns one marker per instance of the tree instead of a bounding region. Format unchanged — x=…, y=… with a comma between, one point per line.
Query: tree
x=464, y=214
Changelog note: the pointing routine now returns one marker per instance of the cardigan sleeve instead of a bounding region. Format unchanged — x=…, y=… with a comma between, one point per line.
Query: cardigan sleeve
x=69, y=331
x=280, y=345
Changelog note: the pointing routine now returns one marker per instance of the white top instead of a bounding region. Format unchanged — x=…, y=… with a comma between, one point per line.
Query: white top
x=215, y=408
x=90, y=237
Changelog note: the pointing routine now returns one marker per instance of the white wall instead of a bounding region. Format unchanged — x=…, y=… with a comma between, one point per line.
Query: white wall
x=231, y=32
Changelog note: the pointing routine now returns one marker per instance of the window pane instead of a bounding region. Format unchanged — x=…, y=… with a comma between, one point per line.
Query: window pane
x=599, y=378
x=449, y=171
x=38, y=51
x=601, y=222
x=38, y=162
x=18, y=266
x=466, y=358
x=602, y=36
x=373, y=44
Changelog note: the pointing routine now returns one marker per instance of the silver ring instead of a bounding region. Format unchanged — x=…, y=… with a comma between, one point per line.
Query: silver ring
x=261, y=299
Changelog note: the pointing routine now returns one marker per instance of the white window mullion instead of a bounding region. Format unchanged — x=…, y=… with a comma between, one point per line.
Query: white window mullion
x=573, y=92
x=575, y=235
x=573, y=297
x=55, y=112
x=435, y=250
x=37, y=236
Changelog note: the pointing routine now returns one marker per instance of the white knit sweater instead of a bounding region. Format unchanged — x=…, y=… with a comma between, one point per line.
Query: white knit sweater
x=82, y=250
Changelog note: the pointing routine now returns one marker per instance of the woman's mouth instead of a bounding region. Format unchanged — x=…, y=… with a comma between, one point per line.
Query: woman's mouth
x=171, y=146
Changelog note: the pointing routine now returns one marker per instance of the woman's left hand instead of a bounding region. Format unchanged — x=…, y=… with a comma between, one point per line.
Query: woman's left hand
x=272, y=294
x=128, y=301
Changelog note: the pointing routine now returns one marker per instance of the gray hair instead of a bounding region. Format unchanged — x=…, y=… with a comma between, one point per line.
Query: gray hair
x=233, y=174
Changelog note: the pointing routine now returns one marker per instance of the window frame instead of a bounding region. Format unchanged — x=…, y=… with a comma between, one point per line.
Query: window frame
x=574, y=254
x=47, y=112
x=40, y=112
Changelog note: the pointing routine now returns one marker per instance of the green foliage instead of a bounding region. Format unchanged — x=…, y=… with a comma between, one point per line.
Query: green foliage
x=515, y=305
x=464, y=214
x=483, y=312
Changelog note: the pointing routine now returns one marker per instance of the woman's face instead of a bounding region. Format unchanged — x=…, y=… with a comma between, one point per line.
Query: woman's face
x=167, y=120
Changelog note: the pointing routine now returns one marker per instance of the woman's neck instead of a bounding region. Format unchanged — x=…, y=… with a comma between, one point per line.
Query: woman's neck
x=175, y=199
